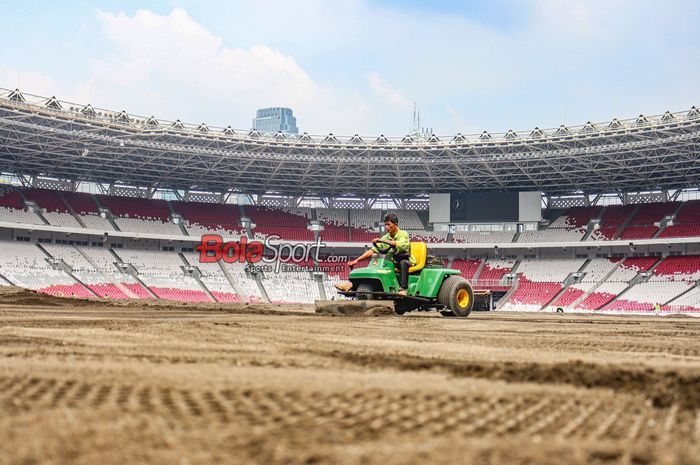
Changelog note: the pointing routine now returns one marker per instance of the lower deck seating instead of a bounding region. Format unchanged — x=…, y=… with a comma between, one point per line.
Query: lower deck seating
x=109, y=291
x=67, y=290
x=245, y=282
x=532, y=296
x=688, y=302
x=572, y=294
x=214, y=279
x=291, y=287
x=100, y=272
x=678, y=268
x=494, y=270
x=468, y=267
x=643, y=296
x=601, y=296
x=24, y=264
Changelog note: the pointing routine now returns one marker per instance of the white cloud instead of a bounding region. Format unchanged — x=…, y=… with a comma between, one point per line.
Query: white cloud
x=173, y=67
x=357, y=67
x=382, y=89
x=29, y=81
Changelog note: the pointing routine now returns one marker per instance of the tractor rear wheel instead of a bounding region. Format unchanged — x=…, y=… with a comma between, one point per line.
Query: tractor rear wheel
x=457, y=296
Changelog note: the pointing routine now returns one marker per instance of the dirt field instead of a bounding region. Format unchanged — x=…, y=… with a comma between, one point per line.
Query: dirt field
x=128, y=383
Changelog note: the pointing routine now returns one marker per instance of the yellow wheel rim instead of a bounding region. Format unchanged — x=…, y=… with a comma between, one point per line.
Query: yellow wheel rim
x=463, y=298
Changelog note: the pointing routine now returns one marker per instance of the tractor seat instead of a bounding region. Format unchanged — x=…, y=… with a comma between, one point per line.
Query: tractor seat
x=419, y=251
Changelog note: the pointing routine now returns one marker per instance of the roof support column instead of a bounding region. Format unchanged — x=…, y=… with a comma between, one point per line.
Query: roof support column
x=26, y=181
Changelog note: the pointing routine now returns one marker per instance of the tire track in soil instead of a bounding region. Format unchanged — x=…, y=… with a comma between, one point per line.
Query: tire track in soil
x=357, y=416
x=663, y=388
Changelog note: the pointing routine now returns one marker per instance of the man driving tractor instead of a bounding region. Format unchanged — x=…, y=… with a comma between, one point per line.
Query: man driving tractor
x=399, y=244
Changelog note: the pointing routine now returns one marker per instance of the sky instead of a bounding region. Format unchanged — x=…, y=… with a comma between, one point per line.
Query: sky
x=358, y=66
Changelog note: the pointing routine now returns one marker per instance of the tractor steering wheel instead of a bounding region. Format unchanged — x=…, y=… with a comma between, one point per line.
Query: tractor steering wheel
x=385, y=250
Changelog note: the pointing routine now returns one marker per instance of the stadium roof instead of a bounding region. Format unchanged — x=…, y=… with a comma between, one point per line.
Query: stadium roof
x=48, y=137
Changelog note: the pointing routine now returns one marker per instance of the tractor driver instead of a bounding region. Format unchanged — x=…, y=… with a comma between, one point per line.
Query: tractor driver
x=400, y=254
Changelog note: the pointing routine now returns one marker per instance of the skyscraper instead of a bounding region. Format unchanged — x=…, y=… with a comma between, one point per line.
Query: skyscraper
x=275, y=119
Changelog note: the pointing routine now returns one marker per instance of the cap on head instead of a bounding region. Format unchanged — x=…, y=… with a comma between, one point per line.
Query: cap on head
x=391, y=217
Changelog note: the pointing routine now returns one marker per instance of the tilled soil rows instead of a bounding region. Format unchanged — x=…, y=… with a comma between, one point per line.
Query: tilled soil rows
x=168, y=383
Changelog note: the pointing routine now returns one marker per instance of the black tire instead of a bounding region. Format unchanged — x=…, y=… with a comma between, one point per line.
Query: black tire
x=456, y=295
x=364, y=291
x=447, y=314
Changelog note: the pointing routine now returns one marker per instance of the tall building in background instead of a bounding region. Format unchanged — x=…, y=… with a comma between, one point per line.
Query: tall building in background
x=275, y=119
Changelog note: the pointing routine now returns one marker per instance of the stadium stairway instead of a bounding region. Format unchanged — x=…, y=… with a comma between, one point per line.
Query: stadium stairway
x=4, y=281
x=181, y=225
x=681, y=295
x=229, y=278
x=506, y=297
x=174, y=214
x=658, y=231
x=514, y=270
x=196, y=276
x=70, y=209
x=32, y=206
x=64, y=267
x=36, y=209
x=516, y=237
x=589, y=227
x=585, y=295
x=665, y=224
x=516, y=283
x=263, y=291
x=105, y=276
x=633, y=282
x=321, y=287
x=627, y=221
x=109, y=218
x=318, y=277
x=131, y=271
x=249, y=230
x=478, y=271
x=566, y=284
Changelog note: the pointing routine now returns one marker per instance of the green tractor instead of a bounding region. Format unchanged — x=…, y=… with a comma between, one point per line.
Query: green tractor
x=430, y=286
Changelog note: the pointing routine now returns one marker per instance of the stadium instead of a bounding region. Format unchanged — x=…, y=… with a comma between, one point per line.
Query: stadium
x=581, y=252
x=581, y=244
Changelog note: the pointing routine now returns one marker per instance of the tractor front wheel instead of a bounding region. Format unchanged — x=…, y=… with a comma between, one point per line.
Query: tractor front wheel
x=457, y=296
x=364, y=291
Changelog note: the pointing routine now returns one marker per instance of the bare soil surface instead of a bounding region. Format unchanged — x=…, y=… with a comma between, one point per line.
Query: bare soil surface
x=170, y=383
